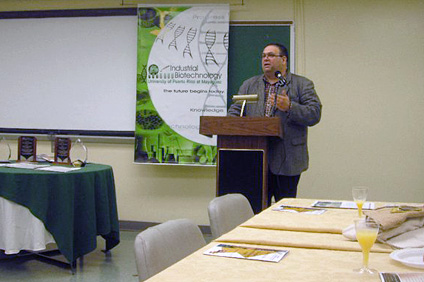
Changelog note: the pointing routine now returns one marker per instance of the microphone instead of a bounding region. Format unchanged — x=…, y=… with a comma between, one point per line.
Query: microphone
x=283, y=81
x=280, y=76
x=274, y=107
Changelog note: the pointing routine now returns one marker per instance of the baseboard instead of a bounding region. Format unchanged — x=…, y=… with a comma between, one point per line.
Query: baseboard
x=129, y=225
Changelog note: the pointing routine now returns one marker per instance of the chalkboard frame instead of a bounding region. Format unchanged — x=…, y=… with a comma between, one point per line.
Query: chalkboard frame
x=245, y=52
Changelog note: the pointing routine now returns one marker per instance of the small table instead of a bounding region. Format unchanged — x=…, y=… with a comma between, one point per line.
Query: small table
x=75, y=206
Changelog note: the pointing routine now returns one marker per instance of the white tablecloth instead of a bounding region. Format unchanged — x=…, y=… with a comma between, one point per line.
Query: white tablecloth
x=20, y=229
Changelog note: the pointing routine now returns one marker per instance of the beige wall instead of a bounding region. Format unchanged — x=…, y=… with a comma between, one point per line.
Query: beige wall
x=366, y=59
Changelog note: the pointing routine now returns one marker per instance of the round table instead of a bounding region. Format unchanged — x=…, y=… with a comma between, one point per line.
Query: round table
x=75, y=207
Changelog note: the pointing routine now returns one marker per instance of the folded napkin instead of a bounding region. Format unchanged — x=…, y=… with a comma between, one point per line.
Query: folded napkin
x=391, y=217
x=409, y=234
x=407, y=226
x=283, y=238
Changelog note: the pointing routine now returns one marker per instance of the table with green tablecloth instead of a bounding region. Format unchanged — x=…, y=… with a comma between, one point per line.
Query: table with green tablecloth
x=75, y=206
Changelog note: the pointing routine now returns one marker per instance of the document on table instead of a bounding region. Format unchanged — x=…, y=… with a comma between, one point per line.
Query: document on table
x=59, y=168
x=342, y=205
x=231, y=251
x=295, y=209
x=401, y=277
x=46, y=167
x=26, y=165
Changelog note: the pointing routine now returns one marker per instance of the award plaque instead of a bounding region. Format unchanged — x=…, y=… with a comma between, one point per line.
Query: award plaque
x=27, y=149
x=62, y=148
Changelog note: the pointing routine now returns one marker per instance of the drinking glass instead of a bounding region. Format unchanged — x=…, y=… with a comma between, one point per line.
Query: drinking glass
x=366, y=234
x=359, y=194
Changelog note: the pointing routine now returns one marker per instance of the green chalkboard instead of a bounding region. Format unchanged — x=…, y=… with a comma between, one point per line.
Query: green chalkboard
x=247, y=41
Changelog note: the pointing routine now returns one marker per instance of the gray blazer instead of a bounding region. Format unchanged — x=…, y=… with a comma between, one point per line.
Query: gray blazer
x=289, y=155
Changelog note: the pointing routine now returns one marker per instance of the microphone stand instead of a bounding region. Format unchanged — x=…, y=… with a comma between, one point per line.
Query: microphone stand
x=274, y=107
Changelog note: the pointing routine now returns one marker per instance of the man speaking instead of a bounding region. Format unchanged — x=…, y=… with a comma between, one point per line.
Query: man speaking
x=293, y=99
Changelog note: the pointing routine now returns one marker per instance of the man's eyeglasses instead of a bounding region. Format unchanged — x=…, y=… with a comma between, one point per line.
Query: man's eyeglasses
x=270, y=55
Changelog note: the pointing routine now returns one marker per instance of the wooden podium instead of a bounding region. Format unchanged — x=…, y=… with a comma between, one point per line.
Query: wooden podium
x=242, y=164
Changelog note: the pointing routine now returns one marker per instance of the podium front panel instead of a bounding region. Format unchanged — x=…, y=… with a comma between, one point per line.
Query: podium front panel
x=242, y=171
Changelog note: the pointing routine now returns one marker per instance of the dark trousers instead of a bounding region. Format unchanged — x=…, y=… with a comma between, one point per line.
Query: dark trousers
x=281, y=186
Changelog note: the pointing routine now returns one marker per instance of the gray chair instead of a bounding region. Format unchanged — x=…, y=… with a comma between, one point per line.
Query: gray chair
x=228, y=211
x=160, y=246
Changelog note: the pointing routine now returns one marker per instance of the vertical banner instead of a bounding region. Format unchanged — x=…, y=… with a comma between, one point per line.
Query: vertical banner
x=181, y=75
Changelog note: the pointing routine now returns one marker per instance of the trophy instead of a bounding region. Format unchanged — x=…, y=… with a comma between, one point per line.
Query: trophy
x=5, y=152
x=78, y=154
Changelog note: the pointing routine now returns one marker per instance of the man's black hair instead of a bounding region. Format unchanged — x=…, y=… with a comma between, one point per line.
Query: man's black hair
x=283, y=49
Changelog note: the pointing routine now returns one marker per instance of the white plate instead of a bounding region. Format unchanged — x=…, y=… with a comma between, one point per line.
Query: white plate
x=411, y=257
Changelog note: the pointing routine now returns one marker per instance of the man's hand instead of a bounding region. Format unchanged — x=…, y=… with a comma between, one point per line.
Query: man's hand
x=283, y=101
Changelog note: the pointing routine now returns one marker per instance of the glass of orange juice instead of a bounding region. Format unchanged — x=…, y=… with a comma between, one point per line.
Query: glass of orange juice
x=366, y=234
x=359, y=194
